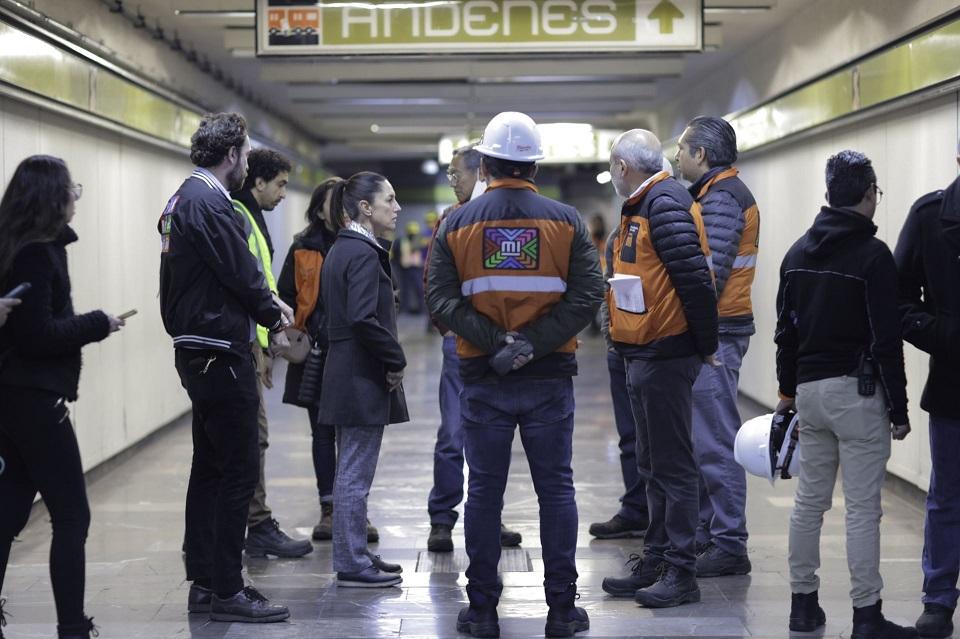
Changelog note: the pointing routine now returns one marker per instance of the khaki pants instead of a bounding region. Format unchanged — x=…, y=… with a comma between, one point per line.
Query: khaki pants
x=259, y=511
x=840, y=428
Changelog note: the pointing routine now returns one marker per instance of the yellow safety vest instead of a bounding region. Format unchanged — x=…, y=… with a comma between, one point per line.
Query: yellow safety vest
x=258, y=246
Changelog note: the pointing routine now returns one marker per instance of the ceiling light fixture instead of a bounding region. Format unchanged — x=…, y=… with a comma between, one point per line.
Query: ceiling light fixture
x=217, y=15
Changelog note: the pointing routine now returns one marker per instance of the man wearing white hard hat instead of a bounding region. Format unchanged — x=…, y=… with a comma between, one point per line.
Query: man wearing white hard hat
x=516, y=277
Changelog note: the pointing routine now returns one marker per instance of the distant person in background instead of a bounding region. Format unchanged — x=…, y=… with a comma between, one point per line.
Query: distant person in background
x=268, y=173
x=598, y=235
x=7, y=304
x=39, y=373
x=927, y=260
x=409, y=254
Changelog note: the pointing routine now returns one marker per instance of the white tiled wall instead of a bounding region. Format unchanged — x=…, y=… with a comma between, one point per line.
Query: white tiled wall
x=913, y=151
x=128, y=387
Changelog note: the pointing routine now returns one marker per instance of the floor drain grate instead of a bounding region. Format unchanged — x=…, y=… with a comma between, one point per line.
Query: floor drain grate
x=511, y=560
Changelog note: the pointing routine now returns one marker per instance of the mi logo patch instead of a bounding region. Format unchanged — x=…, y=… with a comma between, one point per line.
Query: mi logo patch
x=511, y=248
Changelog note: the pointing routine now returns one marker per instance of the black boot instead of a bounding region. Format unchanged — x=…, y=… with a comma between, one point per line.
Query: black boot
x=564, y=619
x=3, y=617
x=480, y=619
x=440, y=539
x=868, y=623
x=936, y=621
x=806, y=615
x=675, y=587
x=83, y=630
x=644, y=572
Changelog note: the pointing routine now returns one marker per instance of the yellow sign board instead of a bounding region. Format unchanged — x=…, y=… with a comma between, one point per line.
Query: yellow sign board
x=334, y=27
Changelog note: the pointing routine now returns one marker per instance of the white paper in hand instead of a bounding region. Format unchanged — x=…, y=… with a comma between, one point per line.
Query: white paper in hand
x=628, y=293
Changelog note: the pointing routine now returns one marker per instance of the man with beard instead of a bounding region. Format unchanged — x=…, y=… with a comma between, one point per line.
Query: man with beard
x=212, y=297
x=265, y=187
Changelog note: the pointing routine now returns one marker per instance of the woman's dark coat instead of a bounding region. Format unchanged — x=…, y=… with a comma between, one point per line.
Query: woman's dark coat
x=320, y=240
x=361, y=324
x=41, y=341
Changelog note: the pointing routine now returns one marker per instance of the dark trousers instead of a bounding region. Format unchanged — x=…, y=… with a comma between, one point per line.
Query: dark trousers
x=447, y=491
x=941, y=540
x=324, y=440
x=633, y=503
x=543, y=409
x=661, y=393
x=40, y=453
x=225, y=467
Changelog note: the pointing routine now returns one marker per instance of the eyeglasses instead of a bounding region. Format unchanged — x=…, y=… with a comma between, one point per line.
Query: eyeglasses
x=76, y=190
x=453, y=177
x=879, y=193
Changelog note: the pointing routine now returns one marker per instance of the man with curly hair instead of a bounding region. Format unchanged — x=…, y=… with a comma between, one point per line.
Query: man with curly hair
x=213, y=294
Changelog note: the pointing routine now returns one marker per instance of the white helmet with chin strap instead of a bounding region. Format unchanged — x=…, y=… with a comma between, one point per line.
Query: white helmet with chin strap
x=512, y=136
x=768, y=446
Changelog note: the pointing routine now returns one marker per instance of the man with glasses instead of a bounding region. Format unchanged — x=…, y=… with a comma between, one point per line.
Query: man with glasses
x=447, y=491
x=840, y=361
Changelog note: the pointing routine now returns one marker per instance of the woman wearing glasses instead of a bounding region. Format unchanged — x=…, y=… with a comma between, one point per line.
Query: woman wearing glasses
x=39, y=372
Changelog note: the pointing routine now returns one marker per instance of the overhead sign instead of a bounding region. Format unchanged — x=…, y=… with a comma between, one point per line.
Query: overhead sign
x=309, y=27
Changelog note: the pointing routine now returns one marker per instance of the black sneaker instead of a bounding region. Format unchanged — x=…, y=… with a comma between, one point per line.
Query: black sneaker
x=806, y=615
x=440, y=539
x=84, y=630
x=384, y=566
x=869, y=623
x=323, y=531
x=643, y=573
x=714, y=562
x=936, y=621
x=675, y=587
x=564, y=618
x=618, y=528
x=3, y=616
x=199, y=599
x=508, y=538
x=247, y=606
x=479, y=622
x=369, y=577
x=266, y=538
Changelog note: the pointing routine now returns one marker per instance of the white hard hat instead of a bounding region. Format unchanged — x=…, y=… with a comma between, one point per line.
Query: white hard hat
x=512, y=136
x=767, y=446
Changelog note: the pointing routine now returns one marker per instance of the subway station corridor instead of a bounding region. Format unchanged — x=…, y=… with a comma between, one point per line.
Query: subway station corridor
x=135, y=578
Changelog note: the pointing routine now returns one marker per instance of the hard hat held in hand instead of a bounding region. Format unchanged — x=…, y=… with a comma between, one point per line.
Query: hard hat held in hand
x=768, y=446
x=512, y=136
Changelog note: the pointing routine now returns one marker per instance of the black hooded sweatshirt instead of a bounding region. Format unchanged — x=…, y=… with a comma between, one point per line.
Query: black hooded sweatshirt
x=838, y=301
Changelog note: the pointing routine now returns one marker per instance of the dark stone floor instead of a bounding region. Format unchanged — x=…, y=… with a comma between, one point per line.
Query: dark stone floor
x=135, y=586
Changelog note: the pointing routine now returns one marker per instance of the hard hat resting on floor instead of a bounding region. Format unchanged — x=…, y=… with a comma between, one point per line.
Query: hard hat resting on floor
x=767, y=446
x=512, y=136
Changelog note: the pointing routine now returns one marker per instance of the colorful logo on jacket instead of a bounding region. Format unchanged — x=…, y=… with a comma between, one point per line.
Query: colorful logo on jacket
x=511, y=248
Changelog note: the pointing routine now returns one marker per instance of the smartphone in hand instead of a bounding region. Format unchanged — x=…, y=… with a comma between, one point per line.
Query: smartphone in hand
x=128, y=314
x=19, y=290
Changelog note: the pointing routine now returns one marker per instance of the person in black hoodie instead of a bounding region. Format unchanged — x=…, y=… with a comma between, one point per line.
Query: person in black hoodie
x=39, y=373
x=840, y=361
x=928, y=259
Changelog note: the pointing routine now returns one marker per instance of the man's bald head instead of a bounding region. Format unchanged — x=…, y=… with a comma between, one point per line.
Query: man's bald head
x=635, y=156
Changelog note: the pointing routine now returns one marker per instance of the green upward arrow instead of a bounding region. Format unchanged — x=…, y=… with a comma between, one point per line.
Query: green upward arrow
x=666, y=12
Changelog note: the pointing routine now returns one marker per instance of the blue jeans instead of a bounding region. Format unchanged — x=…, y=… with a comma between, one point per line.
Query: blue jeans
x=661, y=396
x=543, y=408
x=447, y=491
x=359, y=453
x=716, y=420
x=633, y=503
x=941, y=540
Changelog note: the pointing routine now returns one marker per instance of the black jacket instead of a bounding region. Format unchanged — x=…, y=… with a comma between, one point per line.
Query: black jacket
x=41, y=341
x=837, y=301
x=212, y=293
x=319, y=240
x=928, y=258
x=361, y=325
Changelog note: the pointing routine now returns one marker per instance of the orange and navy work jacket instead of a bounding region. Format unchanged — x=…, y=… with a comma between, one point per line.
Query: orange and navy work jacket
x=517, y=256
x=732, y=221
x=662, y=240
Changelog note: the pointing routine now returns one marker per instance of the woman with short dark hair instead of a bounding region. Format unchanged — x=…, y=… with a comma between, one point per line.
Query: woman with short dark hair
x=39, y=372
x=361, y=389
